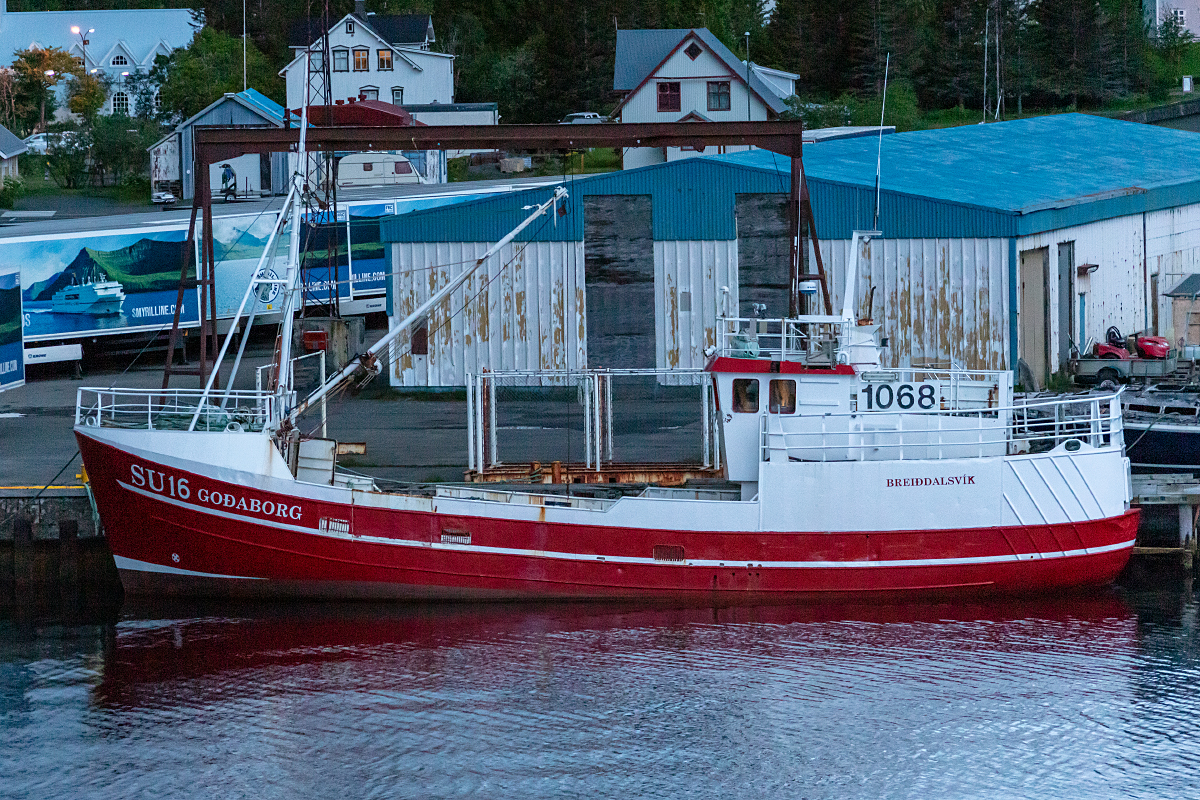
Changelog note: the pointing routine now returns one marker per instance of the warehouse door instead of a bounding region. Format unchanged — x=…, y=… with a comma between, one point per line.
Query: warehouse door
x=618, y=251
x=764, y=254
x=1066, y=304
x=1033, y=312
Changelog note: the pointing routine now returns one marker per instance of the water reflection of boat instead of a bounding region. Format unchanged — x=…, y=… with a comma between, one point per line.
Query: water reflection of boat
x=95, y=295
x=165, y=644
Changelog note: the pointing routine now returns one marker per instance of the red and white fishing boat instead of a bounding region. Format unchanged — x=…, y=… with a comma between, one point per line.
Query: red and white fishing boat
x=855, y=480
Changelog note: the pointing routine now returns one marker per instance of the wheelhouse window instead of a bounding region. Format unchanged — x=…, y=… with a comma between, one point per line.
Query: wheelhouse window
x=668, y=96
x=745, y=395
x=385, y=60
x=783, y=397
x=362, y=60
x=718, y=95
x=341, y=60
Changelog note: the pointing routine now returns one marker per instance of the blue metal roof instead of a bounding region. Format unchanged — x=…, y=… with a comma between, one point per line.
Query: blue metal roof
x=692, y=199
x=1004, y=179
x=977, y=181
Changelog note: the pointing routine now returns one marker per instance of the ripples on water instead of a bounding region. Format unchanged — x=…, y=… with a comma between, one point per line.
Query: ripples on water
x=1081, y=697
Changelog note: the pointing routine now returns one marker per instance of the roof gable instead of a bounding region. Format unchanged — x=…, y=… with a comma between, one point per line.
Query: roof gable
x=393, y=29
x=641, y=53
x=10, y=144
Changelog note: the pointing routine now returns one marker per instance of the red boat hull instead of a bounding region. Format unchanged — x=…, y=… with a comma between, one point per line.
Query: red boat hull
x=229, y=540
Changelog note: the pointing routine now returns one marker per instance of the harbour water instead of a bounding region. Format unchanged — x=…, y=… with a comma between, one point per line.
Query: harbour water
x=1084, y=696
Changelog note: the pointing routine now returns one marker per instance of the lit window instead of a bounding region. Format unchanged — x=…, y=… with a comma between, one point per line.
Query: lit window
x=745, y=395
x=120, y=61
x=362, y=60
x=341, y=60
x=668, y=96
x=369, y=93
x=398, y=95
x=718, y=95
x=783, y=397
x=121, y=103
x=385, y=60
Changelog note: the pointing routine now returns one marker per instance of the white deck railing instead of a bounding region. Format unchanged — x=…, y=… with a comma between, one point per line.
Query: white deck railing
x=1036, y=425
x=173, y=409
x=803, y=339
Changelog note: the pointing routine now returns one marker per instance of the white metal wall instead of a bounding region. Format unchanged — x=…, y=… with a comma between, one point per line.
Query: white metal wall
x=694, y=283
x=1173, y=253
x=524, y=309
x=937, y=300
x=1116, y=290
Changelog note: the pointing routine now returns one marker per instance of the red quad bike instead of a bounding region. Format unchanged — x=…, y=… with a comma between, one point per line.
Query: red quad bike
x=1147, y=346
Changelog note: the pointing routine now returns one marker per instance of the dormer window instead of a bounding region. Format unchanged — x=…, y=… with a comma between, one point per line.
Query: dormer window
x=120, y=61
x=350, y=27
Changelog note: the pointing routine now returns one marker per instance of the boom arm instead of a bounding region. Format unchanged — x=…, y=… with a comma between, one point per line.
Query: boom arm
x=346, y=372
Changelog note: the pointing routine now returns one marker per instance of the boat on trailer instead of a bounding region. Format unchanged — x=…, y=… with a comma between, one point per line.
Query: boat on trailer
x=854, y=480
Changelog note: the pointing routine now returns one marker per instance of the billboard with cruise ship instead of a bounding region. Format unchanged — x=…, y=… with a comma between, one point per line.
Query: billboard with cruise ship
x=12, y=354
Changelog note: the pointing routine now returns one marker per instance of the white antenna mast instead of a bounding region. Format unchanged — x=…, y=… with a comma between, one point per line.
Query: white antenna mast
x=879, y=151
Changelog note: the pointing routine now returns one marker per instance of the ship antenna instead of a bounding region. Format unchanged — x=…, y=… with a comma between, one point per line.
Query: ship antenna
x=879, y=152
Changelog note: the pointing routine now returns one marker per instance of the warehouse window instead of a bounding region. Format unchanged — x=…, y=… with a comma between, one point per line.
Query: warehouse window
x=668, y=96
x=385, y=60
x=745, y=395
x=420, y=337
x=718, y=95
x=362, y=60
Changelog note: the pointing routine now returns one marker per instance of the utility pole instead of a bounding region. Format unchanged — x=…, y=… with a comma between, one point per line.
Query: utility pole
x=243, y=45
x=748, y=76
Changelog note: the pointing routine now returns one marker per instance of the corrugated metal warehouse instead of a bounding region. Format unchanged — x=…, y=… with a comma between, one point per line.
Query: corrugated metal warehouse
x=1000, y=242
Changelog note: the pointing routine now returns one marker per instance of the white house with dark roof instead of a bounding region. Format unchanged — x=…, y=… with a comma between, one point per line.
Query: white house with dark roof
x=11, y=146
x=384, y=57
x=115, y=43
x=688, y=75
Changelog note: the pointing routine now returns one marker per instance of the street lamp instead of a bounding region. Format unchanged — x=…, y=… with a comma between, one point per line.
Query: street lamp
x=75, y=29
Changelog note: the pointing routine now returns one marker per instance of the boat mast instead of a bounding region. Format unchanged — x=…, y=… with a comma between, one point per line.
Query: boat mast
x=367, y=359
x=283, y=382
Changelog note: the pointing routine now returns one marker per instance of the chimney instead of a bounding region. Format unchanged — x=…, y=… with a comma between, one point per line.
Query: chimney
x=360, y=8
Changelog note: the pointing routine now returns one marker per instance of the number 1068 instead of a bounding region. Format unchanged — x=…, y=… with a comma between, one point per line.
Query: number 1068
x=880, y=397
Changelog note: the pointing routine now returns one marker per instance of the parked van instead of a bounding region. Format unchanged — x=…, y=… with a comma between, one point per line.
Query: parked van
x=376, y=169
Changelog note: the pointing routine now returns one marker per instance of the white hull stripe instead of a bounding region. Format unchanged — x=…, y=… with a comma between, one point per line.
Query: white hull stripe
x=134, y=565
x=514, y=551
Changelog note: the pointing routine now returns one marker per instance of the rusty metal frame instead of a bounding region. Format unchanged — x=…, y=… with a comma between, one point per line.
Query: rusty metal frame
x=213, y=144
